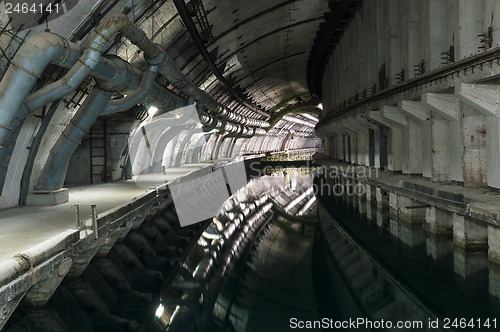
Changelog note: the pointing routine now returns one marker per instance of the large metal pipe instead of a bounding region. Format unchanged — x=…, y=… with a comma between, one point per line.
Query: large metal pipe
x=27, y=66
x=132, y=99
x=53, y=174
x=155, y=55
x=46, y=48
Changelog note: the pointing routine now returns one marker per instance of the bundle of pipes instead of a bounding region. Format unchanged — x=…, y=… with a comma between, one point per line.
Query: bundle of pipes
x=112, y=74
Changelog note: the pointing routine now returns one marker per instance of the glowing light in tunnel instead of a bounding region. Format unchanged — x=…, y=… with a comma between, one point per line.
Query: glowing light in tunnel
x=310, y=117
x=159, y=310
x=320, y=106
x=299, y=121
x=152, y=110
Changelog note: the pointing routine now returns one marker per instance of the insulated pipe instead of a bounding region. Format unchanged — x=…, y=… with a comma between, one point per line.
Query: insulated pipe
x=46, y=48
x=27, y=66
x=96, y=45
x=125, y=103
x=53, y=174
x=155, y=55
x=122, y=77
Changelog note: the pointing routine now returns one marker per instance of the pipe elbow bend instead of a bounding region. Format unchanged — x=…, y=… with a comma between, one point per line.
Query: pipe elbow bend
x=158, y=58
x=40, y=50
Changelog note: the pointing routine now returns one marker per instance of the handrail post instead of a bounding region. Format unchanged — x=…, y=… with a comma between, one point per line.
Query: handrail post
x=94, y=220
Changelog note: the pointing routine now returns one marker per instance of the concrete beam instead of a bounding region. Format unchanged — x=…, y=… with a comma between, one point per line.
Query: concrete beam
x=110, y=242
x=42, y=291
x=7, y=308
x=339, y=128
x=393, y=114
x=377, y=116
x=444, y=105
x=481, y=97
x=418, y=137
x=365, y=121
x=82, y=260
x=415, y=109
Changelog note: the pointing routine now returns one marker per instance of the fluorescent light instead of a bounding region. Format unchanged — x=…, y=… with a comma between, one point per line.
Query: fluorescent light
x=152, y=110
x=159, y=310
x=299, y=121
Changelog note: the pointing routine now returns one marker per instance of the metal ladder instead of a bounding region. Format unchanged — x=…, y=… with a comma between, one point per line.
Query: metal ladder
x=98, y=152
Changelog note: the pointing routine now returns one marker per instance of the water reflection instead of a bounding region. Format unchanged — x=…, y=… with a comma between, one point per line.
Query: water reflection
x=275, y=212
x=424, y=274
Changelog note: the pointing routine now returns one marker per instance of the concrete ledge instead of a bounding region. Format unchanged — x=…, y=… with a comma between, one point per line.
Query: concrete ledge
x=48, y=198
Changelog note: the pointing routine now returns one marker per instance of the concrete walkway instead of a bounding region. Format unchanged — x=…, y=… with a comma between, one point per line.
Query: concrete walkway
x=27, y=226
x=481, y=202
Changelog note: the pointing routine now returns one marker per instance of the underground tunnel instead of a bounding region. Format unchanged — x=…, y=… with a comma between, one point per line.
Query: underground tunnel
x=203, y=165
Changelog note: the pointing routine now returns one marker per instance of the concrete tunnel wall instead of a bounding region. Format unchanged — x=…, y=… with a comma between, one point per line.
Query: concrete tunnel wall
x=444, y=132
x=117, y=146
x=434, y=128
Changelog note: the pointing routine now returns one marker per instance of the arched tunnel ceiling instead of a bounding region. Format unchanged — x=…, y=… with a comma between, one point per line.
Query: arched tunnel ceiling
x=251, y=56
x=260, y=48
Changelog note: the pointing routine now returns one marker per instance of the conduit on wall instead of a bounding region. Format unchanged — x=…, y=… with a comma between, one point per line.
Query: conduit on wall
x=39, y=51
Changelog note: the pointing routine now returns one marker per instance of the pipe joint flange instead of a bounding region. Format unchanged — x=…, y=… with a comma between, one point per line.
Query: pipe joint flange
x=211, y=126
x=158, y=58
x=67, y=48
x=122, y=80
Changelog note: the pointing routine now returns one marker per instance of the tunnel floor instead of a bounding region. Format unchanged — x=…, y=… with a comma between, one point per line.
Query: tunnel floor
x=25, y=227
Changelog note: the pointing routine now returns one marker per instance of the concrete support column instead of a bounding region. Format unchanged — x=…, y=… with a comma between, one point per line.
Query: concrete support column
x=494, y=283
x=410, y=211
x=471, y=272
x=469, y=234
x=438, y=247
x=481, y=134
x=362, y=200
x=351, y=142
x=373, y=140
x=360, y=148
x=382, y=199
x=446, y=137
x=393, y=205
x=494, y=244
x=342, y=145
x=371, y=201
x=438, y=221
x=417, y=139
x=406, y=219
x=399, y=123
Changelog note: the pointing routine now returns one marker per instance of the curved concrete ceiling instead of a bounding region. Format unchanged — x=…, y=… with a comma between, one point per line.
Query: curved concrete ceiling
x=259, y=48
x=251, y=56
